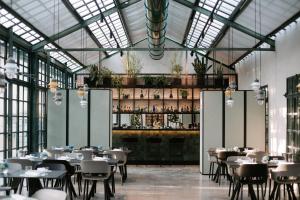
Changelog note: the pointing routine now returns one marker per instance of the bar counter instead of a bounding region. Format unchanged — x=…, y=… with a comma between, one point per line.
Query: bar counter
x=159, y=146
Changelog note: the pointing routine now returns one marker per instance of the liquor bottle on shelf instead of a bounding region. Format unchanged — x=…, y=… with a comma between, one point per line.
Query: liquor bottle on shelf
x=171, y=95
x=141, y=95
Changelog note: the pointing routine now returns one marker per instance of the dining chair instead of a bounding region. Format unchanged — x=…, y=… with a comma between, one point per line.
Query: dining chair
x=95, y=171
x=70, y=172
x=24, y=163
x=285, y=174
x=250, y=174
x=257, y=155
x=121, y=157
x=271, y=159
x=87, y=154
x=212, y=160
x=12, y=183
x=231, y=170
x=46, y=194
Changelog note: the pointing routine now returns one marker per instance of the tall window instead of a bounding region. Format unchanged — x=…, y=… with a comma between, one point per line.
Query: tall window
x=42, y=120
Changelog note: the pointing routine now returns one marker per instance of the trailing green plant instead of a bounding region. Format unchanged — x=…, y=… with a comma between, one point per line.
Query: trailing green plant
x=176, y=68
x=135, y=120
x=149, y=80
x=184, y=93
x=132, y=65
x=160, y=81
x=117, y=81
x=200, y=66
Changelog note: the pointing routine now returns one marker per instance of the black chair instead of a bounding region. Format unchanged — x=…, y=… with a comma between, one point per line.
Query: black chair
x=250, y=174
x=222, y=167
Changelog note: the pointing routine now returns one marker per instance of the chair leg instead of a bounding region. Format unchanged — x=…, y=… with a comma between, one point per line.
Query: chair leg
x=210, y=167
x=213, y=170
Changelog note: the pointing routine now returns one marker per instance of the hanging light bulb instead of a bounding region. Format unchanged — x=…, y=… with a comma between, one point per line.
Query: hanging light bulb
x=53, y=85
x=298, y=87
x=260, y=97
x=83, y=102
x=228, y=92
x=255, y=85
x=57, y=98
x=11, y=68
x=2, y=83
x=230, y=102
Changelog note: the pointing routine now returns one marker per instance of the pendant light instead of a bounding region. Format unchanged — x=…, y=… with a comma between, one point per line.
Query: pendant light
x=83, y=102
x=255, y=85
x=260, y=96
x=53, y=85
x=11, y=68
x=57, y=98
x=2, y=83
x=82, y=91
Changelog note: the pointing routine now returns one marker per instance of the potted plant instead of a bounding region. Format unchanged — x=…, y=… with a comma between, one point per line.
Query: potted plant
x=200, y=69
x=184, y=94
x=117, y=81
x=219, y=77
x=149, y=81
x=95, y=78
x=133, y=67
x=176, y=70
x=160, y=81
x=106, y=76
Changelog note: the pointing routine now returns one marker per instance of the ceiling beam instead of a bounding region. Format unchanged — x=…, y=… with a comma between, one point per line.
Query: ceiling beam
x=159, y=49
x=189, y=24
x=237, y=11
x=80, y=20
x=230, y=23
x=19, y=17
x=85, y=23
x=118, y=5
x=279, y=28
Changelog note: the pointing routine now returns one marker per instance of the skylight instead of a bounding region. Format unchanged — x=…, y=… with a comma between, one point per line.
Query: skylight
x=19, y=28
x=224, y=8
x=102, y=31
x=63, y=58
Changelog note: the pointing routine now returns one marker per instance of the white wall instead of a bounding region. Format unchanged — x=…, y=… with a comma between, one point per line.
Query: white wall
x=276, y=67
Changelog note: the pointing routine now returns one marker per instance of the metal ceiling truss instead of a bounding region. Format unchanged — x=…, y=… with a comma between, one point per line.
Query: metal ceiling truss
x=228, y=22
x=9, y=9
x=190, y=22
x=80, y=20
x=279, y=28
x=118, y=5
x=237, y=11
x=158, y=49
x=84, y=24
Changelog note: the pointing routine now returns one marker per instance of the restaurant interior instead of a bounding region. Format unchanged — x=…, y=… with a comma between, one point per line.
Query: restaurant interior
x=149, y=99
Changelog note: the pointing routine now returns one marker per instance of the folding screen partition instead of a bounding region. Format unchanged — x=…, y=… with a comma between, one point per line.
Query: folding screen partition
x=70, y=124
x=243, y=125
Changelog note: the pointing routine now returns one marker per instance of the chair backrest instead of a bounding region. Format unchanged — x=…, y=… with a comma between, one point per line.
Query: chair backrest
x=45, y=194
x=68, y=167
x=118, y=155
x=52, y=153
x=253, y=170
x=258, y=155
x=287, y=169
x=22, y=162
x=87, y=154
x=94, y=167
x=223, y=155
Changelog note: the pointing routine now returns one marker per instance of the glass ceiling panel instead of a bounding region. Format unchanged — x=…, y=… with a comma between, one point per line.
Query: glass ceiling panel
x=224, y=8
x=89, y=8
x=19, y=28
x=63, y=58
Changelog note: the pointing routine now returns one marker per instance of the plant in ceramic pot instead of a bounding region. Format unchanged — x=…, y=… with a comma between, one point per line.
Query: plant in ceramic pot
x=117, y=81
x=133, y=67
x=200, y=67
x=176, y=70
x=219, y=77
x=95, y=78
x=184, y=94
x=106, y=76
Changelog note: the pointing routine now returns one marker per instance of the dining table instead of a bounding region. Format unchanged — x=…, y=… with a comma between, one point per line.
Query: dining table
x=33, y=177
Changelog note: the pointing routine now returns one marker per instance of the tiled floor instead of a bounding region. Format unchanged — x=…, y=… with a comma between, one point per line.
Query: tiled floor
x=166, y=183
